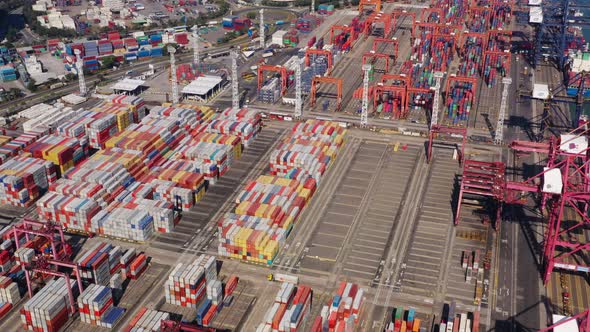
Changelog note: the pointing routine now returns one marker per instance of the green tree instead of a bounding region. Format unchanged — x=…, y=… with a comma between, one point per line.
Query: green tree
x=251, y=15
x=11, y=34
x=32, y=85
x=108, y=62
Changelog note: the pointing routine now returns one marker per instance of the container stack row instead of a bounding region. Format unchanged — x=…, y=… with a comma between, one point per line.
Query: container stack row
x=63, y=152
x=342, y=313
x=268, y=207
x=270, y=92
x=9, y=294
x=290, y=309
x=147, y=320
x=96, y=308
x=404, y=321
x=188, y=284
x=48, y=310
x=23, y=180
x=308, y=152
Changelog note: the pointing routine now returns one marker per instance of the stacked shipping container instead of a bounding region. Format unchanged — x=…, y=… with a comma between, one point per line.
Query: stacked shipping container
x=342, y=313
x=48, y=309
x=268, y=207
x=290, y=309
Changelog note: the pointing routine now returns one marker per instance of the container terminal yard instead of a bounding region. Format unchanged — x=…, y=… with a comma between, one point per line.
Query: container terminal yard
x=416, y=166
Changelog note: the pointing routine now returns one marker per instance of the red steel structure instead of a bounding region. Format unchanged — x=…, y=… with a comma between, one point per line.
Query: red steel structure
x=376, y=4
x=481, y=39
x=330, y=80
x=504, y=56
x=583, y=319
x=418, y=27
x=412, y=92
x=563, y=189
x=60, y=249
x=456, y=131
x=372, y=56
x=397, y=14
x=326, y=53
x=342, y=28
x=427, y=15
x=377, y=17
x=43, y=265
x=398, y=92
x=278, y=69
x=461, y=79
x=393, y=41
x=401, y=78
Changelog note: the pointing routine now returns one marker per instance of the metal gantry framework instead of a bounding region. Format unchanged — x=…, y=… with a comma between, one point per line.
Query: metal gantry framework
x=330, y=80
x=53, y=233
x=45, y=266
x=583, y=319
x=379, y=41
x=325, y=53
x=80, y=69
x=435, y=105
x=262, y=29
x=370, y=3
x=365, y=102
x=196, y=55
x=558, y=16
x=235, y=94
x=562, y=191
x=455, y=131
x=298, y=88
x=373, y=56
x=277, y=69
x=173, y=75
x=499, y=134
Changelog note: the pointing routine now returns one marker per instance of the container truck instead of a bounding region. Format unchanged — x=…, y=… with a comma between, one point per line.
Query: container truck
x=283, y=278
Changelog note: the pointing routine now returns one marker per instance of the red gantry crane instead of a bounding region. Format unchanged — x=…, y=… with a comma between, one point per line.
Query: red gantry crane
x=372, y=4
x=392, y=41
x=60, y=249
x=562, y=188
x=397, y=14
x=330, y=80
x=277, y=69
x=372, y=56
x=335, y=30
x=325, y=53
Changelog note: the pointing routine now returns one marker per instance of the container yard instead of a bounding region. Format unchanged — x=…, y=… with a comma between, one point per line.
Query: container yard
x=354, y=187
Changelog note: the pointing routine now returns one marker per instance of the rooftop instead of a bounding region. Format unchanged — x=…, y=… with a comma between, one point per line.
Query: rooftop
x=202, y=85
x=128, y=84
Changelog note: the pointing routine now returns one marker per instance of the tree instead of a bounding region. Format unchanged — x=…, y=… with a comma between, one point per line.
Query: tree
x=32, y=85
x=108, y=62
x=11, y=34
x=251, y=15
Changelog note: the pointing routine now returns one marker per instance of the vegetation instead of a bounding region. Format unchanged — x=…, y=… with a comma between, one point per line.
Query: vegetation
x=11, y=94
x=108, y=62
x=275, y=4
x=32, y=85
x=203, y=17
x=251, y=15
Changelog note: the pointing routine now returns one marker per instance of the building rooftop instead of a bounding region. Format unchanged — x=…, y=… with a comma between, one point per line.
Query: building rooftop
x=202, y=85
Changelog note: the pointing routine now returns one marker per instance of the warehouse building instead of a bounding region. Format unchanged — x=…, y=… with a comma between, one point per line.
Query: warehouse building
x=203, y=88
x=129, y=86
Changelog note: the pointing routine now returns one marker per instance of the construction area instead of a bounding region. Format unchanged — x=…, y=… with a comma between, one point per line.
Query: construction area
x=408, y=167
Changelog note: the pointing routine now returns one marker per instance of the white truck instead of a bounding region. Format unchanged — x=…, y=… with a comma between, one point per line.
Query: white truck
x=283, y=278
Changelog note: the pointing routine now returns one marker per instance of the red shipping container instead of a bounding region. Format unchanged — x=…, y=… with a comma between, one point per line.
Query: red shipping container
x=317, y=324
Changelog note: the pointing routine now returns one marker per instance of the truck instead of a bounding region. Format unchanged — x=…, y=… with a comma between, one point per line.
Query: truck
x=268, y=53
x=283, y=278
